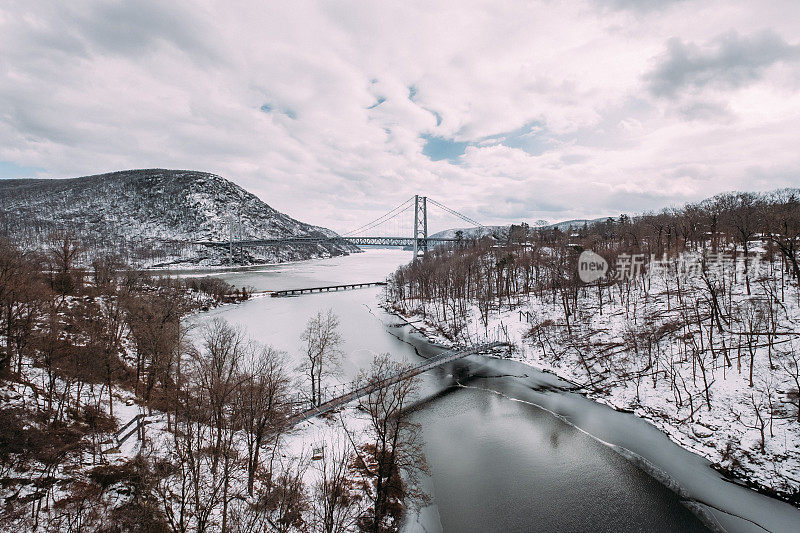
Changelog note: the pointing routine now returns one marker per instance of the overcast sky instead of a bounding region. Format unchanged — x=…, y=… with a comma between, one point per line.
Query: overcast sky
x=336, y=111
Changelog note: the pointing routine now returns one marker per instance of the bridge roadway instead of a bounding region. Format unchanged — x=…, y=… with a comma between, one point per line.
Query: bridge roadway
x=129, y=429
x=357, y=241
x=327, y=288
x=371, y=386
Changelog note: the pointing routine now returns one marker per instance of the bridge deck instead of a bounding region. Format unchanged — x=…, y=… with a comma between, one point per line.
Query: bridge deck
x=327, y=288
x=357, y=241
x=364, y=390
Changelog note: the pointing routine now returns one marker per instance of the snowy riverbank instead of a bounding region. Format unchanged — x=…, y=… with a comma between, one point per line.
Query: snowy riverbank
x=727, y=433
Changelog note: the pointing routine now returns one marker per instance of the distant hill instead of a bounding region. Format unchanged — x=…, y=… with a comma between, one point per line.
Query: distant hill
x=473, y=233
x=501, y=232
x=131, y=212
x=574, y=224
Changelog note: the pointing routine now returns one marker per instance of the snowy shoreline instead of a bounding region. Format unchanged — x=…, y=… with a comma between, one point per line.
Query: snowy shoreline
x=523, y=354
x=430, y=331
x=196, y=270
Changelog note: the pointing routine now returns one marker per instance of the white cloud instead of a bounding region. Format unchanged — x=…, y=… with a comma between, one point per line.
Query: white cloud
x=87, y=87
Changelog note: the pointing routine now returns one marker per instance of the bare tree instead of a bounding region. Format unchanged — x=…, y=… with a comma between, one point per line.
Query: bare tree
x=760, y=404
x=783, y=223
x=154, y=318
x=195, y=486
x=392, y=459
x=105, y=269
x=260, y=403
x=742, y=214
x=281, y=503
x=336, y=502
x=106, y=328
x=63, y=251
x=218, y=374
x=753, y=318
x=791, y=365
x=21, y=294
x=322, y=342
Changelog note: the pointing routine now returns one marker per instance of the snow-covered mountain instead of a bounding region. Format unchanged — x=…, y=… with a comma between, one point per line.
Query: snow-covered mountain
x=474, y=232
x=501, y=232
x=133, y=213
x=573, y=224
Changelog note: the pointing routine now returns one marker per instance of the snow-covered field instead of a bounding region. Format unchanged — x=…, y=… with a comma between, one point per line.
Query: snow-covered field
x=297, y=451
x=665, y=382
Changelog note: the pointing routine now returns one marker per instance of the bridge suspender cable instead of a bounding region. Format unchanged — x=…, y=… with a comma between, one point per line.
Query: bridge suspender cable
x=456, y=213
x=383, y=218
x=402, y=208
x=379, y=222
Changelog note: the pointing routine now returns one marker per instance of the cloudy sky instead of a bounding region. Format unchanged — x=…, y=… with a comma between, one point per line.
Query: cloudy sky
x=336, y=111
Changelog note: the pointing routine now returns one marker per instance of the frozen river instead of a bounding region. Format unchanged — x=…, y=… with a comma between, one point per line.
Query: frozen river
x=508, y=449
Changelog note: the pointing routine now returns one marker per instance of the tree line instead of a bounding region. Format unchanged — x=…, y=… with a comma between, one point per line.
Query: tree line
x=694, y=296
x=83, y=349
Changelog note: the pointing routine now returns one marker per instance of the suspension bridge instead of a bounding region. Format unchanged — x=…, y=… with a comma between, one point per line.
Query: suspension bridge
x=369, y=234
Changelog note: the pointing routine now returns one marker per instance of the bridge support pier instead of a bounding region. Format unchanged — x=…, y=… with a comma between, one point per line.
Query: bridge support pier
x=420, y=225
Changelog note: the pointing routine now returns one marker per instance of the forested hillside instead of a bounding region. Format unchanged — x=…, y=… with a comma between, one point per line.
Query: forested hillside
x=114, y=417
x=694, y=326
x=148, y=217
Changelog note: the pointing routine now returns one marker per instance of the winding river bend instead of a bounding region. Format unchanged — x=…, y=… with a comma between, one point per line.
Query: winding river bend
x=510, y=448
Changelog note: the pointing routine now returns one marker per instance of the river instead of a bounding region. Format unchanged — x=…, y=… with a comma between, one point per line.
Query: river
x=510, y=448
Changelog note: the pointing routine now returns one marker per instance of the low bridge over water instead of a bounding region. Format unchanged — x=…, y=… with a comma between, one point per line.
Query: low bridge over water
x=371, y=386
x=135, y=425
x=327, y=288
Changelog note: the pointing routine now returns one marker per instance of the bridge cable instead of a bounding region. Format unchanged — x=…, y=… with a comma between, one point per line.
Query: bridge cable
x=377, y=223
x=389, y=215
x=456, y=213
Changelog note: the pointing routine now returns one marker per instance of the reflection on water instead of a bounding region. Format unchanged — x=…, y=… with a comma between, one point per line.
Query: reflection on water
x=499, y=465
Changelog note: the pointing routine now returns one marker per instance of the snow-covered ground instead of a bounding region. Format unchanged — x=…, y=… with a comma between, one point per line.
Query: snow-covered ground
x=603, y=354
x=297, y=450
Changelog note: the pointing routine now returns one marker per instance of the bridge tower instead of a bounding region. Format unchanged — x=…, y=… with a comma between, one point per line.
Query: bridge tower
x=420, y=225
